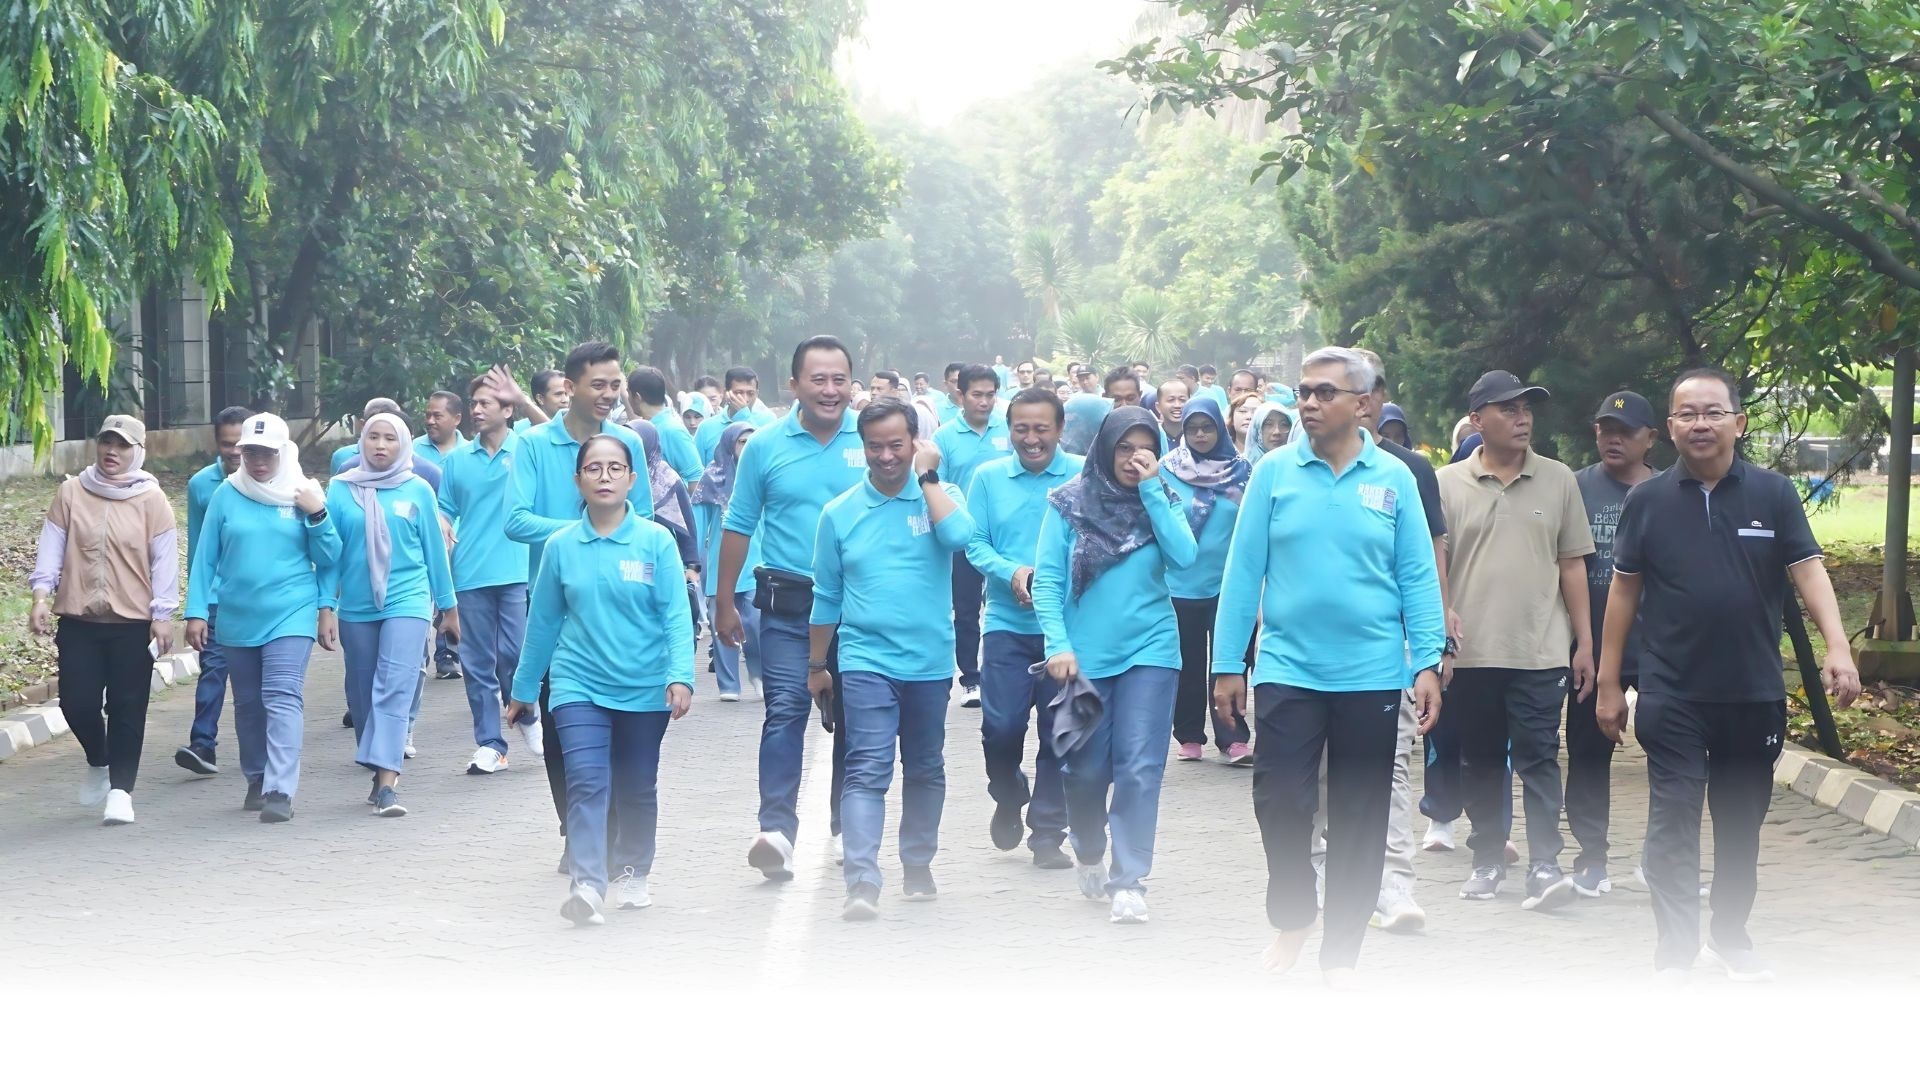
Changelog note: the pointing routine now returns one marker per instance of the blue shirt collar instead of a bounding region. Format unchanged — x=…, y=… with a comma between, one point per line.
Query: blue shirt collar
x=628, y=528
x=849, y=421
x=1369, y=455
x=910, y=493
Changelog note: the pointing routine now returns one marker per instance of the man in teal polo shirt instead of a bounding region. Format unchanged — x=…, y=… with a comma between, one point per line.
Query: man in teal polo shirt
x=787, y=474
x=198, y=756
x=978, y=435
x=542, y=497
x=879, y=543
x=489, y=573
x=647, y=400
x=445, y=412
x=741, y=402
x=1007, y=501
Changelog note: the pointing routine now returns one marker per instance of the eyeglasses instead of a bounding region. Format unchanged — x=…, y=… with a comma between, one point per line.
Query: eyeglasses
x=1711, y=416
x=612, y=470
x=1324, y=392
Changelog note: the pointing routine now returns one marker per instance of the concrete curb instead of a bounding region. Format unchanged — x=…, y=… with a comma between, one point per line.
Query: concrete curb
x=38, y=724
x=1883, y=807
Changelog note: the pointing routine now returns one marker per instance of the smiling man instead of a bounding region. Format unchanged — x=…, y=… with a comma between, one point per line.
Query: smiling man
x=978, y=435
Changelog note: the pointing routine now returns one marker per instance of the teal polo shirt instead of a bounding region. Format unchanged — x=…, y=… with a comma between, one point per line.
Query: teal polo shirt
x=543, y=497
x=1374, y=596
x=706, y=438
x=200, y=489
x=608, y=622
x=677, y=448
x=1007, y=504
x=1125, y=618
x=424, y=447
x=962, y=449
x=277, y=570
x=419, y=580
x=473, y=495
x=785, y=479
x=880, y=564
x=1200, y=579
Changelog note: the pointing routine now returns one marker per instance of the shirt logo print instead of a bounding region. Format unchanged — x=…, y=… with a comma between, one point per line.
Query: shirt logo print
x=1377, y=497
x=404, y=509
x=636, y=570
x=999, y=442
x=919, y=525
x=287, y=512
x=856, y=457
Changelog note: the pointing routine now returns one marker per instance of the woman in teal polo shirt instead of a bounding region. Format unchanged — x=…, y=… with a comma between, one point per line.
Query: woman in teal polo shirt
x=1100, y=592
x=607, y=628
x=710, y=498
x=269, y=545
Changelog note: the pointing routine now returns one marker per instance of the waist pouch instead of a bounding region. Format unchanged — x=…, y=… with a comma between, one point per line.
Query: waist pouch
x=777, y=592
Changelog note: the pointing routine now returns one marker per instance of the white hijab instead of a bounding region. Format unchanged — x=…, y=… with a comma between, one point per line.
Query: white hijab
x=282, y=487
x=125, y=486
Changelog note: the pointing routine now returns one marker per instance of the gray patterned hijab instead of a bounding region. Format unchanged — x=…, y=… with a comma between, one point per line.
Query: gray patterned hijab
x=367, y=483
x=1108, y=520
x=716, y=484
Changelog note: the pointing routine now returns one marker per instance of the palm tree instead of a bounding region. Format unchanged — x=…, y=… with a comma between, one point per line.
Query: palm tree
x=1046, y=267
x=1145, y=328
x=1086, y=334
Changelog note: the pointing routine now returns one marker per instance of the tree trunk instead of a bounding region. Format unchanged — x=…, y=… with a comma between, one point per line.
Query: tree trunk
x=294, y=306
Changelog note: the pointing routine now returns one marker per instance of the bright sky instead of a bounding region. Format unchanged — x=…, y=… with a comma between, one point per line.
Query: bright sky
x=936, y=58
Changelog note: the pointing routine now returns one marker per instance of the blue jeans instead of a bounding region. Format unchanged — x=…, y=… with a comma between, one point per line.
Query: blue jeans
x=493, y=623
x=726, y=658
x=269, y=710
x=1007, y=695
x=783, y=675
x=613, y=761
x=209, y=693
x=383, y=671
x=1128, y=753
x=878, y=711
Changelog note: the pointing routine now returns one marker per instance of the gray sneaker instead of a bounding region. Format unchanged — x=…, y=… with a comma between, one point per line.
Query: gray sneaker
x=1484, y=884
x=1591, y=881
x=1547, y=888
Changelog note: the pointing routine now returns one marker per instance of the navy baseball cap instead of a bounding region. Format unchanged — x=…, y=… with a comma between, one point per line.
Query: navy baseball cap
x=1497, y=386
x=1627, y=407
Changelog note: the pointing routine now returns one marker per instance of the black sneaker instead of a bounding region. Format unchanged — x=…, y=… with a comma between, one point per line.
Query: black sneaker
x=1484, y=884
x=253, y=801
x=1050, y=857
x=1547, y=888
x=918, y=883
x=387, y=804
x=1006, y=827
x=451, y=671
x=346, y=719
x=276, y=808
x=1591, y=881
x=196, y=761
x=863, y=903
x=969, y=696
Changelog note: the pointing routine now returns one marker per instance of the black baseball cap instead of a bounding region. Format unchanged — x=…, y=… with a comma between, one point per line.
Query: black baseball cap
x=1627, y=407
x=1497, y=386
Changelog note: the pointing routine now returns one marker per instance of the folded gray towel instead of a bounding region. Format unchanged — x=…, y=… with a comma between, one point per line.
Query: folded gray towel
x=1076, y=711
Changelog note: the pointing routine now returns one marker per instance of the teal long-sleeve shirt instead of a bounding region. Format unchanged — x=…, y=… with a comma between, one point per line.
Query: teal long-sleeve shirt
x=786, y=478
x=1125, y=618
x=200, y=491
x=1200, y=579
x=608, y=622
x=880, y=564
x=1350, y=563
x=1007, y=504
x=706, y=519
x=543, y=498
x=473, y=495
x=424, y=447
x=677, y=446
x=419, y=579
x=278, y=569
x=964, y=450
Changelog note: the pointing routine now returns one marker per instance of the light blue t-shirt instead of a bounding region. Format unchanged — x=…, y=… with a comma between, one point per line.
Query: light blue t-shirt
x=544, y=498
x=1007, y=388
x=277, y=570
x=1200, y=579
x=1376, y=596
x=200, y=489
x=608, y=622
x=424, y=448
x=419, y=581
x=1125, y=618
x=785, y=478
x=1007, y=503
x=473, y=495
x=706, y=438
x=880, y=563
x=963, y=450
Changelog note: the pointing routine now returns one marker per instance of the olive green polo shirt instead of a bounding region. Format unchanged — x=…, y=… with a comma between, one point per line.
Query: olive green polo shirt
x=1504, y=546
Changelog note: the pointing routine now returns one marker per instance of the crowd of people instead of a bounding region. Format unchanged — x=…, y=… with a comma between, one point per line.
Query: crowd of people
x=1131, y=565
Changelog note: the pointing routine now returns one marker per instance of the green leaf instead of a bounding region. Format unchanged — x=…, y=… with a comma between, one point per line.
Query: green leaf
x=1510, y=62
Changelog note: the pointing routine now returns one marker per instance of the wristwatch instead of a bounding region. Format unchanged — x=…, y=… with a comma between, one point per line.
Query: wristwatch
x=1451, y=648
x=317, y=516
x=816, y=665
x=931, y=476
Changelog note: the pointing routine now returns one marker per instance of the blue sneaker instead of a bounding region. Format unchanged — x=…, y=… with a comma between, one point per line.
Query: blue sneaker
x=387, y=804
x=1591, y=881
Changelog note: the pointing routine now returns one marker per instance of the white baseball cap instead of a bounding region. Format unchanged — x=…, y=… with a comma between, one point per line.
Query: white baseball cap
x=264, y=430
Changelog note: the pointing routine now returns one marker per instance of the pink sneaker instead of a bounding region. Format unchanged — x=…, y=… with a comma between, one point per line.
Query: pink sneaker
x=1190, y=751
x=1239, y=754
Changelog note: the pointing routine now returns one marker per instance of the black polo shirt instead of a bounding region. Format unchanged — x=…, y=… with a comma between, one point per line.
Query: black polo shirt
x=1713, y=580
x=1423, y=479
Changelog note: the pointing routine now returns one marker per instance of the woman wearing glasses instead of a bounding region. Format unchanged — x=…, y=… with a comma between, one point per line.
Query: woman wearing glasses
x=1100, y=591
x=394, y=576
x=607, y=628
x=270, y=546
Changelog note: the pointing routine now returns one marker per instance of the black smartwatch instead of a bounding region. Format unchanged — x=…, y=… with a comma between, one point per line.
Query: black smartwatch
x=1451, y=648
x=317, y=517
x=931, y=476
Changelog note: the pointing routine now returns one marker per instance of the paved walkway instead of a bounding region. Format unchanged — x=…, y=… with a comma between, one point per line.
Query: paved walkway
x=464, y=886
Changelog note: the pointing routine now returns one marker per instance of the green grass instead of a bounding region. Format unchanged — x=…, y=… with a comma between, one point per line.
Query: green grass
x=1857, y=516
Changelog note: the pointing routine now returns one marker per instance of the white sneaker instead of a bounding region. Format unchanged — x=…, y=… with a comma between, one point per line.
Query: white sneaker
x=630, y=891
x=93, y=790
x=1439, y=836
x=1092, y=878
x=119, y=808
x=772, y=855
x=1398, y=914
x=583, y=906
x=729, y=695
x=487, y=761
x=1640, y=875
x=409, y=752
x=530, y=736
x=1129, y=907
x=970, y=698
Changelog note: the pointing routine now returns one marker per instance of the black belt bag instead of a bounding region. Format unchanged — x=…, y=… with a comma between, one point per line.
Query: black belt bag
x=777, y=592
